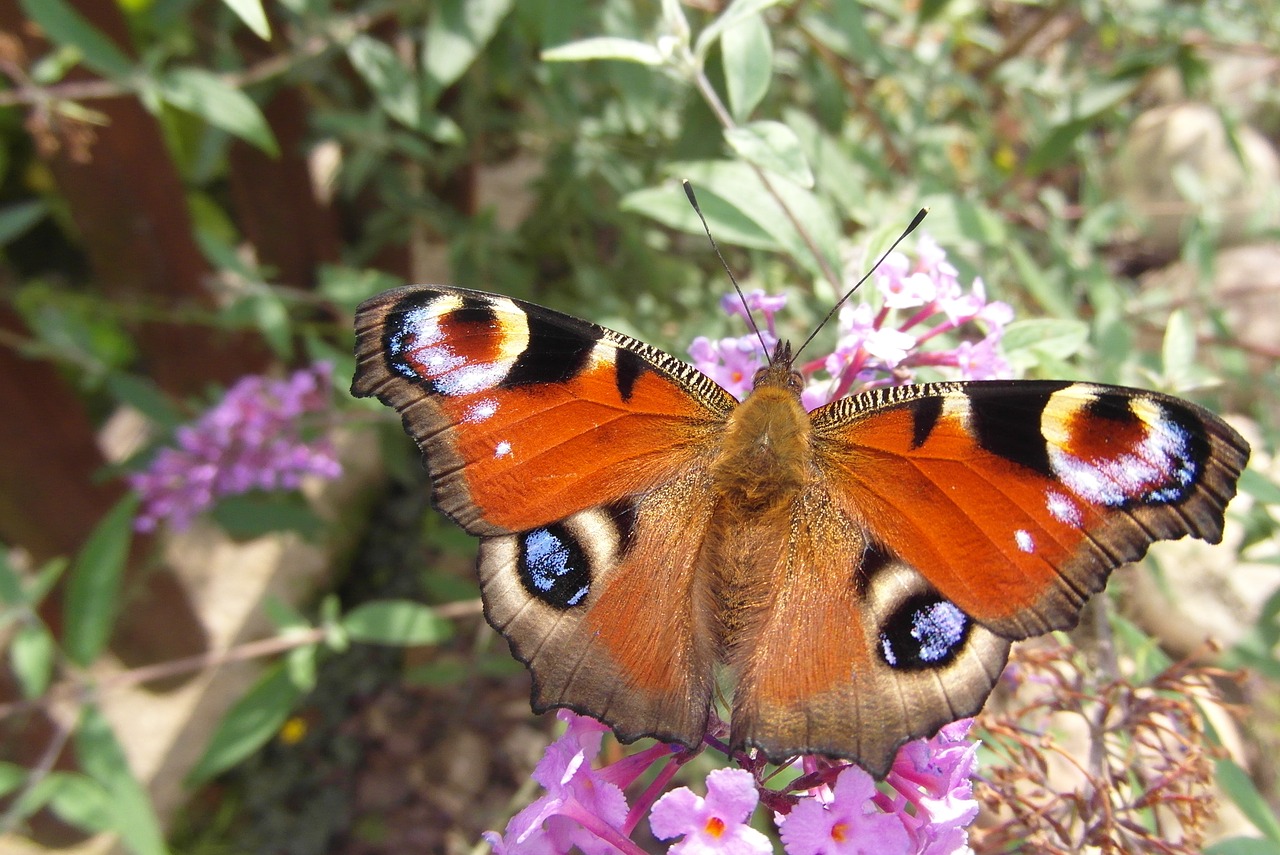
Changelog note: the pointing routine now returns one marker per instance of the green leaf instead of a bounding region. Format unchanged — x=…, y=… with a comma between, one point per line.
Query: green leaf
x=1059, y=338
x=94, y=586
x=1260, y=487
x=747, y=56
x=1242, y=846
x=1240, y=789
x=348, y=286
x=12, y=776
x=737, y=184
x=102, y=759
x=261, y=309
x=251, y=515
x=11, y=589
x=15, y=219
x=31, y=657
x=253, y=16
x=391, y=81
x=398, y=622
x=738, y=11
x=205, y=94
x=456, y=34
x=604, y=47
x=772, y=146
x=145, y=396
x=726, y=221
x=1178, y=351
x=65, y=27
x=81, y=801
x=254, y=719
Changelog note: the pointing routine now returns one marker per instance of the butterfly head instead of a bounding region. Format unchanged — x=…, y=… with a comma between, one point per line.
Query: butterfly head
x=779, y=373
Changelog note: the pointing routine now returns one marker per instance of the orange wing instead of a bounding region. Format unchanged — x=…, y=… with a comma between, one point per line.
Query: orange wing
x=579, y=457
x=526, y=415
x=1016, y=499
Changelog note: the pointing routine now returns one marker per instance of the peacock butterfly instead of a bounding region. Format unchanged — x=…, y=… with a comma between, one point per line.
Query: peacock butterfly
x=860, y=569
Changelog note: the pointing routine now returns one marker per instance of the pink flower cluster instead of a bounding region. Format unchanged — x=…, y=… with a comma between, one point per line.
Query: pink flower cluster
x=250, y=440
x=881, y=342
x=923, y=808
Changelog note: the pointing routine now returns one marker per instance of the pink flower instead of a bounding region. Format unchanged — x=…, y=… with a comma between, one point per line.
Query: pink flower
x=715, y=824
x=848, y=823
x=580, y=808
x=731, y=362
x=934, y=776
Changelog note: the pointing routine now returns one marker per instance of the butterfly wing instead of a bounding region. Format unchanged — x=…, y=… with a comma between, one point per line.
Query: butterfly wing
x=575, y=453
x=1017, y=499
x=947, y=520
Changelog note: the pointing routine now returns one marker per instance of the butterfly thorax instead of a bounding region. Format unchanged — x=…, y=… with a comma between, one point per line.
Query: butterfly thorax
x=764, y=460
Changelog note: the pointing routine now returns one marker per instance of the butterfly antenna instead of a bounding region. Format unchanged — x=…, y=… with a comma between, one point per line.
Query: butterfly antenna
x=693, y=200
x=919, y=218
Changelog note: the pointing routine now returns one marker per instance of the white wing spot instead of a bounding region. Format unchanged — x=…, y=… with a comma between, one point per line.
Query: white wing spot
x=480, y=410
x=503, y=449
x=1062, y=509
x=1025, y=543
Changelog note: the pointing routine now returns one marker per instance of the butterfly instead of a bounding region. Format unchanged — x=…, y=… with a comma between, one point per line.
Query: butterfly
x=858, y=572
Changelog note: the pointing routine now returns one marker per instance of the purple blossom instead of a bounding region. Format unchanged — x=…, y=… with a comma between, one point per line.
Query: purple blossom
x=714, y=824
x=731, y=362
x=845, y=821
x=934, y=777
x=580, y=807
x=250, y=440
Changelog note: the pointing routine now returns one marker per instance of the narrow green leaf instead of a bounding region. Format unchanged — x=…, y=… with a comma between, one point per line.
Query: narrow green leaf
x=1059, y=338
x=456, y=34
x=65, y=27
x=1240, y=789
x=81, y=801
x=747, y=55
x=1242, y=846
x=12, y=776
x=15, y=219
x=1260, y=487
x=392, y=82
x=208, y=96
x=145, y=396
x=727, y=222
x=11, y=590
x=772, y=146
x=253, y=16
x=1178, y=351
x=737, y=184
x=94, y=586
x=103, y=760
x=604, y=47
x=737, y=12
x=252, y=515
x=31, y=657
x=48, y=576
x=254, y=719
x=398, y=622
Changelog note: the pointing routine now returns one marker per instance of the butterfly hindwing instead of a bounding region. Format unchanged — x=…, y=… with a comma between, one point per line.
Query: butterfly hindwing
x=855, y=653
x=606, y=610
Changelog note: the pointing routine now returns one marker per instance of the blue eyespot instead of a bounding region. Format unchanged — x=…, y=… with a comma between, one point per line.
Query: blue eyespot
x=553, y=566
x=925, y=631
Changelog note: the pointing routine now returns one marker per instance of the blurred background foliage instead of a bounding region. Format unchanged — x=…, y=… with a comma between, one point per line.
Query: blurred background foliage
x=192, y=190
